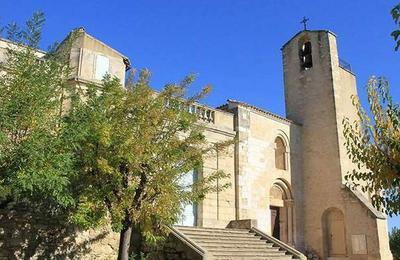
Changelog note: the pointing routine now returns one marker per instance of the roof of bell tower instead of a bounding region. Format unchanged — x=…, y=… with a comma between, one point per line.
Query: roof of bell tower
x=306, y=31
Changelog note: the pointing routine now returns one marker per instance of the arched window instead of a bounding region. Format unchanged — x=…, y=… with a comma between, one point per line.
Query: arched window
x=280, y=154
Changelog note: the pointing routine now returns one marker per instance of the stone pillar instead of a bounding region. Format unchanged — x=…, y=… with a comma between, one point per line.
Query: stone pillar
x=289, y=207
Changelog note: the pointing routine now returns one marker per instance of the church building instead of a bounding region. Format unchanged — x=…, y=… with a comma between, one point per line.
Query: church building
x=288, y=197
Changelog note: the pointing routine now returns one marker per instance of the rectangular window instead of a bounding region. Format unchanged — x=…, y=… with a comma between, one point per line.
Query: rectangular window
x=102, y=67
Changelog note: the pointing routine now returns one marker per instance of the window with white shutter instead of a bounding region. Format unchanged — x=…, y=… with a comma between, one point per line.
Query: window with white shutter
x=102, y=67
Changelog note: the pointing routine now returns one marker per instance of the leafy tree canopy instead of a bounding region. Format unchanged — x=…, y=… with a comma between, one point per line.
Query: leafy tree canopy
x=34, y=161
x=133, y=149
x=394, y=241
x=373, y=141
x=396, y=33
x=373, y=144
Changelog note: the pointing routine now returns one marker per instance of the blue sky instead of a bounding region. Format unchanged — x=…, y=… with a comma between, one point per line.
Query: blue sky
x=233, y=45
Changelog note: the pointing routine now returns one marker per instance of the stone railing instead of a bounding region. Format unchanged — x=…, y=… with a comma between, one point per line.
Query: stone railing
x=199, y=252
x=203, y=113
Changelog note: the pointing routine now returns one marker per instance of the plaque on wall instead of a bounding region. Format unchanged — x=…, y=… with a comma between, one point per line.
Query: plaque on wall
x=359, y=244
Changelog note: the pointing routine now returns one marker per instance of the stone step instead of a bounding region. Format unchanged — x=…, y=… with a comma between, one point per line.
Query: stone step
x=220, y=244
x=229, y=242
x=219, y=233
x=252, y=258
x=243, y=248
x=211, y=234
x=234, y=244
x=215, y=239
x=237, y=245
x=243, y=252
x=214, y=230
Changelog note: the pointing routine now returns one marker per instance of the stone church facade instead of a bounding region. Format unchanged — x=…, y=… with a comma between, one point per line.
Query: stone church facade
x=287, y=173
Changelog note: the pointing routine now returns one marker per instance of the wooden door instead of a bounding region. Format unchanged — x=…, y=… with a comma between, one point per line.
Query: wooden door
x=336, y=233
x=275, y=228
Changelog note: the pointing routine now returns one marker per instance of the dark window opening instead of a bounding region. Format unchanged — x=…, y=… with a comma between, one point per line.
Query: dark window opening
x=306, y=56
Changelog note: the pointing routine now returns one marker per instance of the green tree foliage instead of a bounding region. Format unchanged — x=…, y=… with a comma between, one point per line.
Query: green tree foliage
x=373, y=144
x=133, y=148
x=102, y=153
x=396, y=33
x=394, y=241
x=33, y=161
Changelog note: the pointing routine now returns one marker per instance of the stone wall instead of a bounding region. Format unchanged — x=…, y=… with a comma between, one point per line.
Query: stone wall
x=257, y=173
x=28, y=232
x=218, y=208
x=84, y=51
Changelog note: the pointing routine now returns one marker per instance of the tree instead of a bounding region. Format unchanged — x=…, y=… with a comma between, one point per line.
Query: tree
x=133, y=148
x=34, y=162
x=373, y=144
x=101, y=154
x=394, y=241
x=396, y=17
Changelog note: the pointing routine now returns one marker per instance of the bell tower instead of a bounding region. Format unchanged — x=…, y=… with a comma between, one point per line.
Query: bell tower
x=338, y=222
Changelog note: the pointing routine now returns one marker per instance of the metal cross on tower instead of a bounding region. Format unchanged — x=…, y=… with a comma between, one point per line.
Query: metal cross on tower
x=304, y=21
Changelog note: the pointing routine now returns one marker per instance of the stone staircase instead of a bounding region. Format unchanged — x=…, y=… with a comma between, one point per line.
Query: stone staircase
x=235, y=244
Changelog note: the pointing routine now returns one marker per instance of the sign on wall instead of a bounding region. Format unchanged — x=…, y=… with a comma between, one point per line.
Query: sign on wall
x=359, y=244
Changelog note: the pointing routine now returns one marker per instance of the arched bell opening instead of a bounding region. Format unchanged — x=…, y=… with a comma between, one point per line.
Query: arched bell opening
x=305, y=53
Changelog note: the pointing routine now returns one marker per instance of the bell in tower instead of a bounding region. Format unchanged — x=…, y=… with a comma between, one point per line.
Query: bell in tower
x=305, y=53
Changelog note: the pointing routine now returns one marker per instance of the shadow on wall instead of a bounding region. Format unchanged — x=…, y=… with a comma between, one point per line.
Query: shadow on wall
x=28, y=231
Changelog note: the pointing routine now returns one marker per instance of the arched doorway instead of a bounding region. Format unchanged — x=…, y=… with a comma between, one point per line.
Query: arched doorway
x=334, y=232
x=281, y=210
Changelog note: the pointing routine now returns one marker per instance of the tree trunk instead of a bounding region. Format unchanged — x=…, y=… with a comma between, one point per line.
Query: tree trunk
x=136, y=242
x=124, y=242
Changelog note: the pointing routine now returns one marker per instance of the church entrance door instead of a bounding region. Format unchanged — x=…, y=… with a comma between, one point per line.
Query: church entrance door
x=275, y=226
x=281, y=212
